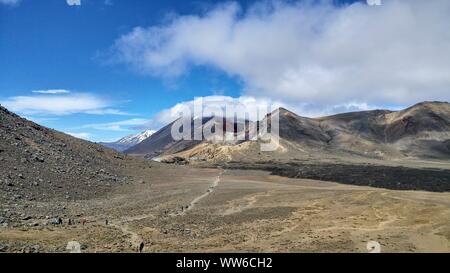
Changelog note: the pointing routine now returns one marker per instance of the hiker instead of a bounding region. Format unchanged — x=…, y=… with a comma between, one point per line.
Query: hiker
x=60, y=221
x=106, y=222
x=70, y=222
x=141, y=247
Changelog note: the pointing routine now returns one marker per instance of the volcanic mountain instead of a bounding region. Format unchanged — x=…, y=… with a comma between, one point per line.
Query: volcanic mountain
x=162, y=142
x=420, y=131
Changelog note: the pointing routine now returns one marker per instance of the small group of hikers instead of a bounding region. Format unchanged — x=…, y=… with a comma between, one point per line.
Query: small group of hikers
x=60, y=221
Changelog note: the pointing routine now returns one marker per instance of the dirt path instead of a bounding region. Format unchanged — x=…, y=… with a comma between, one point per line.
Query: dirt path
x=122, y=225
x=197, y=199
x=135, y=239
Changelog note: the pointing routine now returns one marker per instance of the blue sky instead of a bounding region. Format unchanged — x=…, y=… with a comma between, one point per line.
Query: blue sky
x=105, y=69
x=51, y=45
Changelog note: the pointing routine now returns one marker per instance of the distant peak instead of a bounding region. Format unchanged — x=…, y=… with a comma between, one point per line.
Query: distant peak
x=147, y=132
x=427, y=106
x=430, y=103
x=284, y=111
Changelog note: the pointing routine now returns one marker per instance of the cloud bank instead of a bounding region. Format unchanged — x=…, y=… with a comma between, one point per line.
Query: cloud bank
x=60, y=102
x=325, y=55
x=123, y=125
x=244, y=104
x=10, y=2
x=51, y=91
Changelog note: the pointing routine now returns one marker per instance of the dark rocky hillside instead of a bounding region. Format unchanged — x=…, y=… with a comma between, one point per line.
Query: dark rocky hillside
x=37, y=163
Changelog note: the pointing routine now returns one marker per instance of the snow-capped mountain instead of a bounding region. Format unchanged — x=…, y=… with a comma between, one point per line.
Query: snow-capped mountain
x=128, y=141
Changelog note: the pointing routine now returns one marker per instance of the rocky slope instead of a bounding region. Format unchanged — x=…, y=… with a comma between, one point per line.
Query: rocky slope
x=38, y=163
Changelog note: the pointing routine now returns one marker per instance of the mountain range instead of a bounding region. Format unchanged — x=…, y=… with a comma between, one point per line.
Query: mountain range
x=420, y=131
x=128, y=141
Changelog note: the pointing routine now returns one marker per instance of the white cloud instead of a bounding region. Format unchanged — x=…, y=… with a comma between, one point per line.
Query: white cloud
x=73, y=2
x=10, y=2
x=123, y=125
x=108, y=111
x=373, y=2
x=60, y=104
x=51, y=91
x=320, y=110
x=250, y=106
x=324, y=55
x=81, y=135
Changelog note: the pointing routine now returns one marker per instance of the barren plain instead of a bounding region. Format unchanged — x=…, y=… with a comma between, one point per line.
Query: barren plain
x=226, y=210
